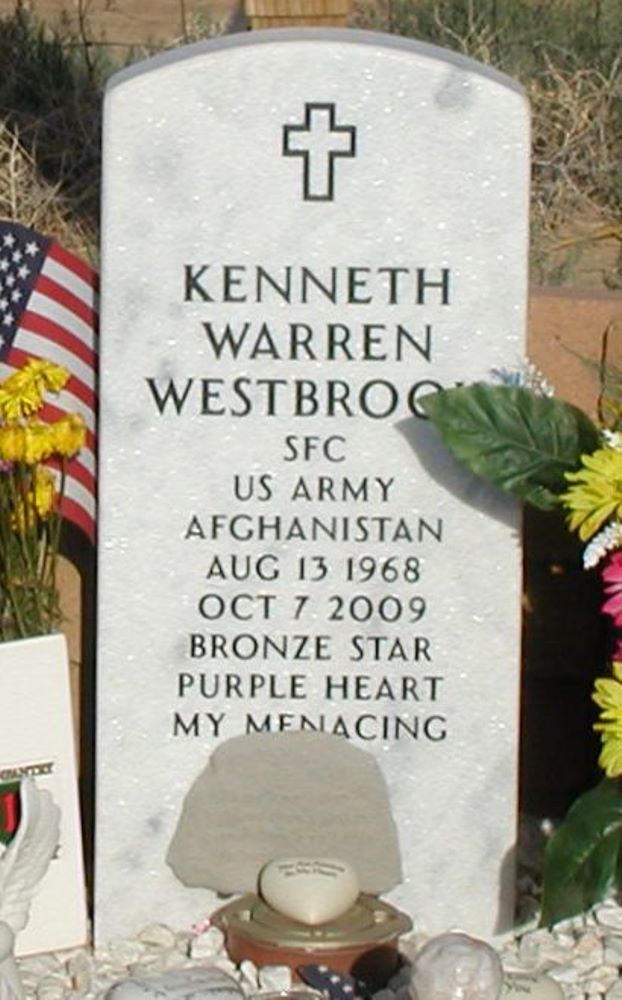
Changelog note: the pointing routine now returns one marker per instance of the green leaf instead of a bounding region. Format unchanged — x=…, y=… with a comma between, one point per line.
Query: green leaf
x=581, y=860
x=516, y=440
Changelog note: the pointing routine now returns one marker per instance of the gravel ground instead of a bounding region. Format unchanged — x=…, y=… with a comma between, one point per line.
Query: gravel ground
x=584, y=955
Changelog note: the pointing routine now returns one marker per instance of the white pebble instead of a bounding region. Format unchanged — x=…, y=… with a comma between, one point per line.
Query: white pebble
x=226, y=965
x=602, y=979
x=80, y=970
x=157, y=936
x=538, y=950
x=125, y=952
x=588, y=943
x=572, y=924
x=275, y=978
x=608, y=915
x=41, y=964
x=564, y=973
x=248, y=972
x=52, y=988
x=613, y=949
x=210, y=944
x=615, y=992
x=182, y=942
x=148, y=964
x=565, y=939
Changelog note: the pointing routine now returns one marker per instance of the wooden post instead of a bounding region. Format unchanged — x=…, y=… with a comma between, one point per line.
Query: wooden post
x=296, y=13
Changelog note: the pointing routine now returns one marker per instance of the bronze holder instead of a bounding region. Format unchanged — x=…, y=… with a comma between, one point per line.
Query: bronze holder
x=362, y=942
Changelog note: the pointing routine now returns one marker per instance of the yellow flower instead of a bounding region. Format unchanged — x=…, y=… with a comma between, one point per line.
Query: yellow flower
x=12, y=443
x=68, y=435
x=22, y=393
x=608, y=696
x=39, y=501
x=597, y=495
x=38, y=442
x=43, y=494
x=29, y=443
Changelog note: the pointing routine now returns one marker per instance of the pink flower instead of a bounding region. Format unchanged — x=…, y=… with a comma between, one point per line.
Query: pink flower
x=612, y=576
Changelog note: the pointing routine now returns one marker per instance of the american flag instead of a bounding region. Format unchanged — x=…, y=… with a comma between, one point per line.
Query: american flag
x=48, y=309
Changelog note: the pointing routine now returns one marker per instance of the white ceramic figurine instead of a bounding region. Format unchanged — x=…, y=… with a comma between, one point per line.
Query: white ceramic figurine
x=22, y=866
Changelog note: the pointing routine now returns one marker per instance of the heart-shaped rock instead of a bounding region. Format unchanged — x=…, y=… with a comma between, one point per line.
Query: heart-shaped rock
x=310, y=890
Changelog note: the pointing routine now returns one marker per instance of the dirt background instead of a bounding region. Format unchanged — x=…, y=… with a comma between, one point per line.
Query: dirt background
x=126, y=23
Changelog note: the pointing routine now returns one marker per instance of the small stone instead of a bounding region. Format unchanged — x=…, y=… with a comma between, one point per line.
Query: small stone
x=182, y=942
x=226, y=965
x=530, y=986
x=157, y=936
x=52, y=988
x=456, y=967
x=80, y=970
x=588, y=952
x=275, y=978
x=564, y=973
x=602, y=979
x=148, y=965
x=615, y=991
x=248, y=972
x=41, y=964
x=210, y=944
x=587, y=943
x=565, y=939
x=172, y=960
x=538, y=950
x=612, y=944
x=201, y=984
x=608, y=915
x=125, y=952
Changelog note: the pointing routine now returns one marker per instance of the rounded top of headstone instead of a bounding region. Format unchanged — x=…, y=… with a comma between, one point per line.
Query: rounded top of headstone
x=314, y=37
x=269, y=795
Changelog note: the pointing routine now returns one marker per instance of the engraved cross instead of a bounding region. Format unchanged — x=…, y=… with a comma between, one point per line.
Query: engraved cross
x=319, y=140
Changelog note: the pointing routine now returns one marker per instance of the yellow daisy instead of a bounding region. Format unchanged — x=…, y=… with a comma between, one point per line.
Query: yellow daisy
x=68, y=435
x=21, y=394
x=12, y=443
x=28, y=443
x=608, y=696
x=597, y=493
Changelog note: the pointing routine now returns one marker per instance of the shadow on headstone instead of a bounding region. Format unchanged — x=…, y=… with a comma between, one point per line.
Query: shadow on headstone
x=440, y=465
x=268, y=795
x=563, y=636
x=78, y=550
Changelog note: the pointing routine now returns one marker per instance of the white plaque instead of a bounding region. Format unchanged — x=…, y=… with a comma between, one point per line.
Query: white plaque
x=37, y=740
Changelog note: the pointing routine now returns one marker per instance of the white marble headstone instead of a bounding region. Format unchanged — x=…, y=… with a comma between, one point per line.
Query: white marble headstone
x=305, y=232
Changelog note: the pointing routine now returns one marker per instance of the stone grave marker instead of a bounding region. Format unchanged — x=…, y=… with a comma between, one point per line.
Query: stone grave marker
x=304, y=233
